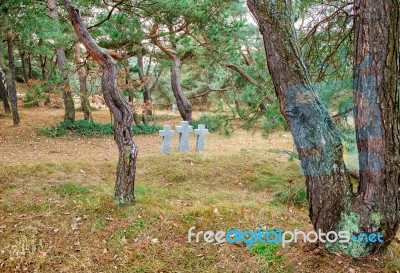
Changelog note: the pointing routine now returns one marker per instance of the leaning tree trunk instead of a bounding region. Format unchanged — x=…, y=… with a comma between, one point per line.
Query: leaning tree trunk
x=183, y=104
x=9, y=74
x=61, y=63
x=3, y=94
x=82, y=76
x=124, y=186
x=332, y=204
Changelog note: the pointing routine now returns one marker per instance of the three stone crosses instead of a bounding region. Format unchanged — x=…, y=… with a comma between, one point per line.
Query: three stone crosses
x=184, y=130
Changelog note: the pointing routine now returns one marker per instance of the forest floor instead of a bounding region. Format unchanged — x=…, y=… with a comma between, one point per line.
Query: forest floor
x=57, y=211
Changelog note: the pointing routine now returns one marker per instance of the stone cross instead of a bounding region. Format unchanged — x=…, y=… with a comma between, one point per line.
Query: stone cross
x=184, y=131
x=174, y=108
x=167, y=133
x=201, y=133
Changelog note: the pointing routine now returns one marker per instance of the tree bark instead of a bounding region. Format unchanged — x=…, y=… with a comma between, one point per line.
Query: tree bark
x=23, y=64
x=9, y=74
x=146, y=87
x=3, y=94
x=61, y=63
x=332, y=204
x=30, y=74
x=377, y=115
x=126, y=169
x=316, y=138
x=82, y=77
x=42, y=61
x=183, y=104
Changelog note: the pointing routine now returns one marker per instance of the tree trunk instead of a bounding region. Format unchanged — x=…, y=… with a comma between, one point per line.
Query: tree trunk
x=124, y=186
x=332, y=204
x=9, y=74
x=42, y=61
x=82, y=76
x=146, y=87
x=377, y=115
x=61, y=63
x=184, y=105
x=30, y=66
x=23, y=64
x=3, y=94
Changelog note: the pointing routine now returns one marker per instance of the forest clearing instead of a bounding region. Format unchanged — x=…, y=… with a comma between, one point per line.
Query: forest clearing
x=200, y=136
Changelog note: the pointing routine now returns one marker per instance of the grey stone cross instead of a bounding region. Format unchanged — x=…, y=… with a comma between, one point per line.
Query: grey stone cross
x=201, y=133
x=174, y=108
x=184, y=131
x=167, y=133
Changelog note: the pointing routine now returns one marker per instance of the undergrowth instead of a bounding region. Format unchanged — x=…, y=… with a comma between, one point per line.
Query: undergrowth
x=91, y=129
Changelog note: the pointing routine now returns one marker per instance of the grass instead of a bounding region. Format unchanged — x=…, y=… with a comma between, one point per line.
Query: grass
x=59, y=215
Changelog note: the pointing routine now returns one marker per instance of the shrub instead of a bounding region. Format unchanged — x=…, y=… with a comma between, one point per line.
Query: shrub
x=216, y=123
x=145, y=129
x=34, y=93
x=92, y=129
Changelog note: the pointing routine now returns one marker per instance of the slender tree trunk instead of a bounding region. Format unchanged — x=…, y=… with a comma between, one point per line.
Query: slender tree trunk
x=332, y=204
x=124, y=186
x=23, y=64
x=61, y=63
x=42, y=61
x=82, y=76
x=30, y=66
x=3, y=94
x=9, y=73
x=183, y=104
x=146, y=87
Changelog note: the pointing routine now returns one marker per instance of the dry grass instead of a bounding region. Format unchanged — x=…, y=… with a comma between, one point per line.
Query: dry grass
x=58, y=214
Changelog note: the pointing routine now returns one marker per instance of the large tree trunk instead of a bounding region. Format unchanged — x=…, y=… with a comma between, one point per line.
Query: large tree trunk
x=124, y=186
x=332, y=204
x=61, y=63
x=184, y=105
x=9, y=73
x=377, y=119
x=82, y=76
x=3, y=94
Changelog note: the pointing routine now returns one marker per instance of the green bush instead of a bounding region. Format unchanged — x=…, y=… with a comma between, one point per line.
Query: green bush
x=145, y=129
x=92, y=129
x=34, y=93
x=216, y=123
